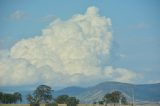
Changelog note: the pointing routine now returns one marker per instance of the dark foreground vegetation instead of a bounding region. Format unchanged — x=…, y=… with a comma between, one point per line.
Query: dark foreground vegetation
x=8, y=98
x=43, y=95
x=114, y=97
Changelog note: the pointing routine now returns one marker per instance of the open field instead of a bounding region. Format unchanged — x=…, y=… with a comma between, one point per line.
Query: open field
x=119, y=105
x=149, y=105
x=14, y=104
x=18, y=104
x=81, y=105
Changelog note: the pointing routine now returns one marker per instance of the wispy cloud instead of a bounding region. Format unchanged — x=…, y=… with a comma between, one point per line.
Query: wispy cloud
x=140, y=26
x=123, y=56
x=1, y=43
x=48, y=18
x=154, y=81
x=18, y=15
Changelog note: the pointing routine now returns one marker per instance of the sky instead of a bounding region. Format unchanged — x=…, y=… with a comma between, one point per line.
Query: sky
x=79, y=42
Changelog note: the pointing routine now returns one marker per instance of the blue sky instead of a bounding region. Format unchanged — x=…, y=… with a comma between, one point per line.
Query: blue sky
x=135, y=29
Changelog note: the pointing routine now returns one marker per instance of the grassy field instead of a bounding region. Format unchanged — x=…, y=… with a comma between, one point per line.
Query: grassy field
x=14, y=104
x=18, y=104
x=80, y=105
x=119, y=105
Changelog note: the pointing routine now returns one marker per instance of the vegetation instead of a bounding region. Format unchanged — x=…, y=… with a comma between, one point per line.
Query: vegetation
x=8, y=98
x=115, y=97
x=42, y=94
x=65, y=99
x=100, y=102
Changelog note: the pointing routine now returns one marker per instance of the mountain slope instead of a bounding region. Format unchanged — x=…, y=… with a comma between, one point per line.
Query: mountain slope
x=70, y=91
x=145, y=92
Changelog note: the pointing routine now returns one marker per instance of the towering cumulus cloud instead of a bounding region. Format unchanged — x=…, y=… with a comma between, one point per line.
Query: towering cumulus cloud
x=67, y=53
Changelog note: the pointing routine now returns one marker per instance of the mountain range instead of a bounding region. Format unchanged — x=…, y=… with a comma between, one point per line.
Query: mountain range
x=141, y=92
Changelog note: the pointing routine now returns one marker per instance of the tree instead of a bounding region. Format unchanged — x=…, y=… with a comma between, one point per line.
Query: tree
x=72, y=101
x=62, y=99
x=101, y=102
x=65, y=99
x=114, y=97
x=32, y=100
x=17, y=97
x=42, y=94
x=124, y=100
x=10, y=98
x=1, y=96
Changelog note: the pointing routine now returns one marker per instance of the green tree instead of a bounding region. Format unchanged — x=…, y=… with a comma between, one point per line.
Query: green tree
x=62, y=99
x=65, y=99
x=10, y=98
x=101, y=102
x=1, y=96
x=17, y=97
x=72, y=101
x=32, y=100
x=124, y=100
x=114, y=97
x=42, y=94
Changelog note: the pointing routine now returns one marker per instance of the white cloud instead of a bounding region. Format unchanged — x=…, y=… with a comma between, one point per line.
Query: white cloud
x=66, y=53
x=48, y=18
x=17, y=15
x=140, y=26
x=68, y=46
x=123, y=56
x=153, y=81
x=1, y=43
x=119, y=74
x=15, y=72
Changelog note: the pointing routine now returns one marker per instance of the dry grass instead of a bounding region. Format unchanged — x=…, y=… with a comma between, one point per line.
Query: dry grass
x=80, y=105
x=14, y=104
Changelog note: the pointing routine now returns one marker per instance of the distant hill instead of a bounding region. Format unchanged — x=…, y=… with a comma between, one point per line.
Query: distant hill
x=145, y=92
x=70, y=91
x=141, y=92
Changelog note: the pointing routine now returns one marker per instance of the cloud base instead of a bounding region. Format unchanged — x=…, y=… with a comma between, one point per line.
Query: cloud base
x=66, y=53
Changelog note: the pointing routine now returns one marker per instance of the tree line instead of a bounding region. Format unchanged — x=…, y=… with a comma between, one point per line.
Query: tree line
x=43, y=94
x=113, y=98
x=9, y=98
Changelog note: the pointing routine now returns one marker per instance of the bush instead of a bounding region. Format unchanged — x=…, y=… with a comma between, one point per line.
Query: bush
x=35, y=104
x=52, y=104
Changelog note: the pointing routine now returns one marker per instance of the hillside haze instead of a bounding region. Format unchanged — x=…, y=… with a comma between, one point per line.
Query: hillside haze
x=141, y=93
